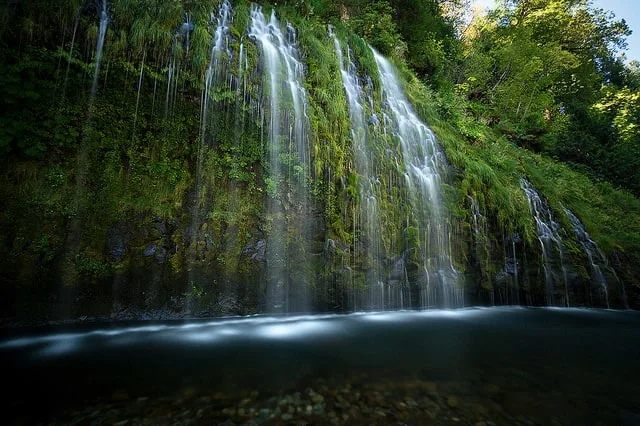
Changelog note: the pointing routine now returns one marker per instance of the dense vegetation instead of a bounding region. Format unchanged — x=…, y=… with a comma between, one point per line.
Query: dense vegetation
x=127, y=199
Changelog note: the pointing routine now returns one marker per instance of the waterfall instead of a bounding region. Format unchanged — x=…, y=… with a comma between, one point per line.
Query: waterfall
x=424, y=166
x=288, y=126
x=549, y=239
x=216, y=67
x=104, y=22
x=597, y=259
x=368, y=207
x=479, y=229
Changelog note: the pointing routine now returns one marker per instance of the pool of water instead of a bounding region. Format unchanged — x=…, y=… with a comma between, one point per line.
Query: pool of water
x=471, y=366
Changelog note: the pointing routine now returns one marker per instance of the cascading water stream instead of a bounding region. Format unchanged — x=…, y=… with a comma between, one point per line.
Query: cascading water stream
x=241, y=86
x=368, y=213
x=424, y=165
x=104, y=22
x=288, y=126
x=549, y=239
x=216, y=69
x=170, y=76
x=595, y=256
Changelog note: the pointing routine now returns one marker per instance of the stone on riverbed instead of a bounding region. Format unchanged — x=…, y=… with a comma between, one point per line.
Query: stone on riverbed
x=452, y=401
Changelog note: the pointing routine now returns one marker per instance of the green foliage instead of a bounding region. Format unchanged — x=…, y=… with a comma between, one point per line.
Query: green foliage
x=90, y=266
x=195, y=291
x=375, y=22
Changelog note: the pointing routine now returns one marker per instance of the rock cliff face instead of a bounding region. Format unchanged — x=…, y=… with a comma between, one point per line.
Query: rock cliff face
x=224, y=161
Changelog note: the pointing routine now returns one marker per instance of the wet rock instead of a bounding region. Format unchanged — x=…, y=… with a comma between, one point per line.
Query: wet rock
x=411, y=403
x=189, y=392
x=264, y=413
x=401, y=406
x=118, y=237
x=354, y=412
x=158, y=230
x=479, y=409
x=452, y=401
x=150, y=250
x=256, y=251
x=161, y=254
x=209, y=242
x=120, y=395
x=231, y=412
x=318, y=409
x=315, y=397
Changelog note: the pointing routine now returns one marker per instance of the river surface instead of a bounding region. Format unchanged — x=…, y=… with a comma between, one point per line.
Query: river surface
x=478, y=366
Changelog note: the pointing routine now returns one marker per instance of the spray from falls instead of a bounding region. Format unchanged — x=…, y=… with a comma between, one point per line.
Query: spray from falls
x=424, y=165
x=289, y=162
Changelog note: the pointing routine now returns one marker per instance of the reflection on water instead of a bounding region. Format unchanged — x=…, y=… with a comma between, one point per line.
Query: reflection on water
x=503, y=365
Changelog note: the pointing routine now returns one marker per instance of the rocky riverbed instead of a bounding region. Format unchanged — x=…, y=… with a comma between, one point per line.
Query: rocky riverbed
x=353, y=400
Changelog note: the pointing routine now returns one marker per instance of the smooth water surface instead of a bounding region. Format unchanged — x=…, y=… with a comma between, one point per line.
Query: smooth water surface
x=497, y=365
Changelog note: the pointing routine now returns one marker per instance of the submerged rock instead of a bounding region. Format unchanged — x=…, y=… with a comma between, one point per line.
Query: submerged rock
x=452, y=401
